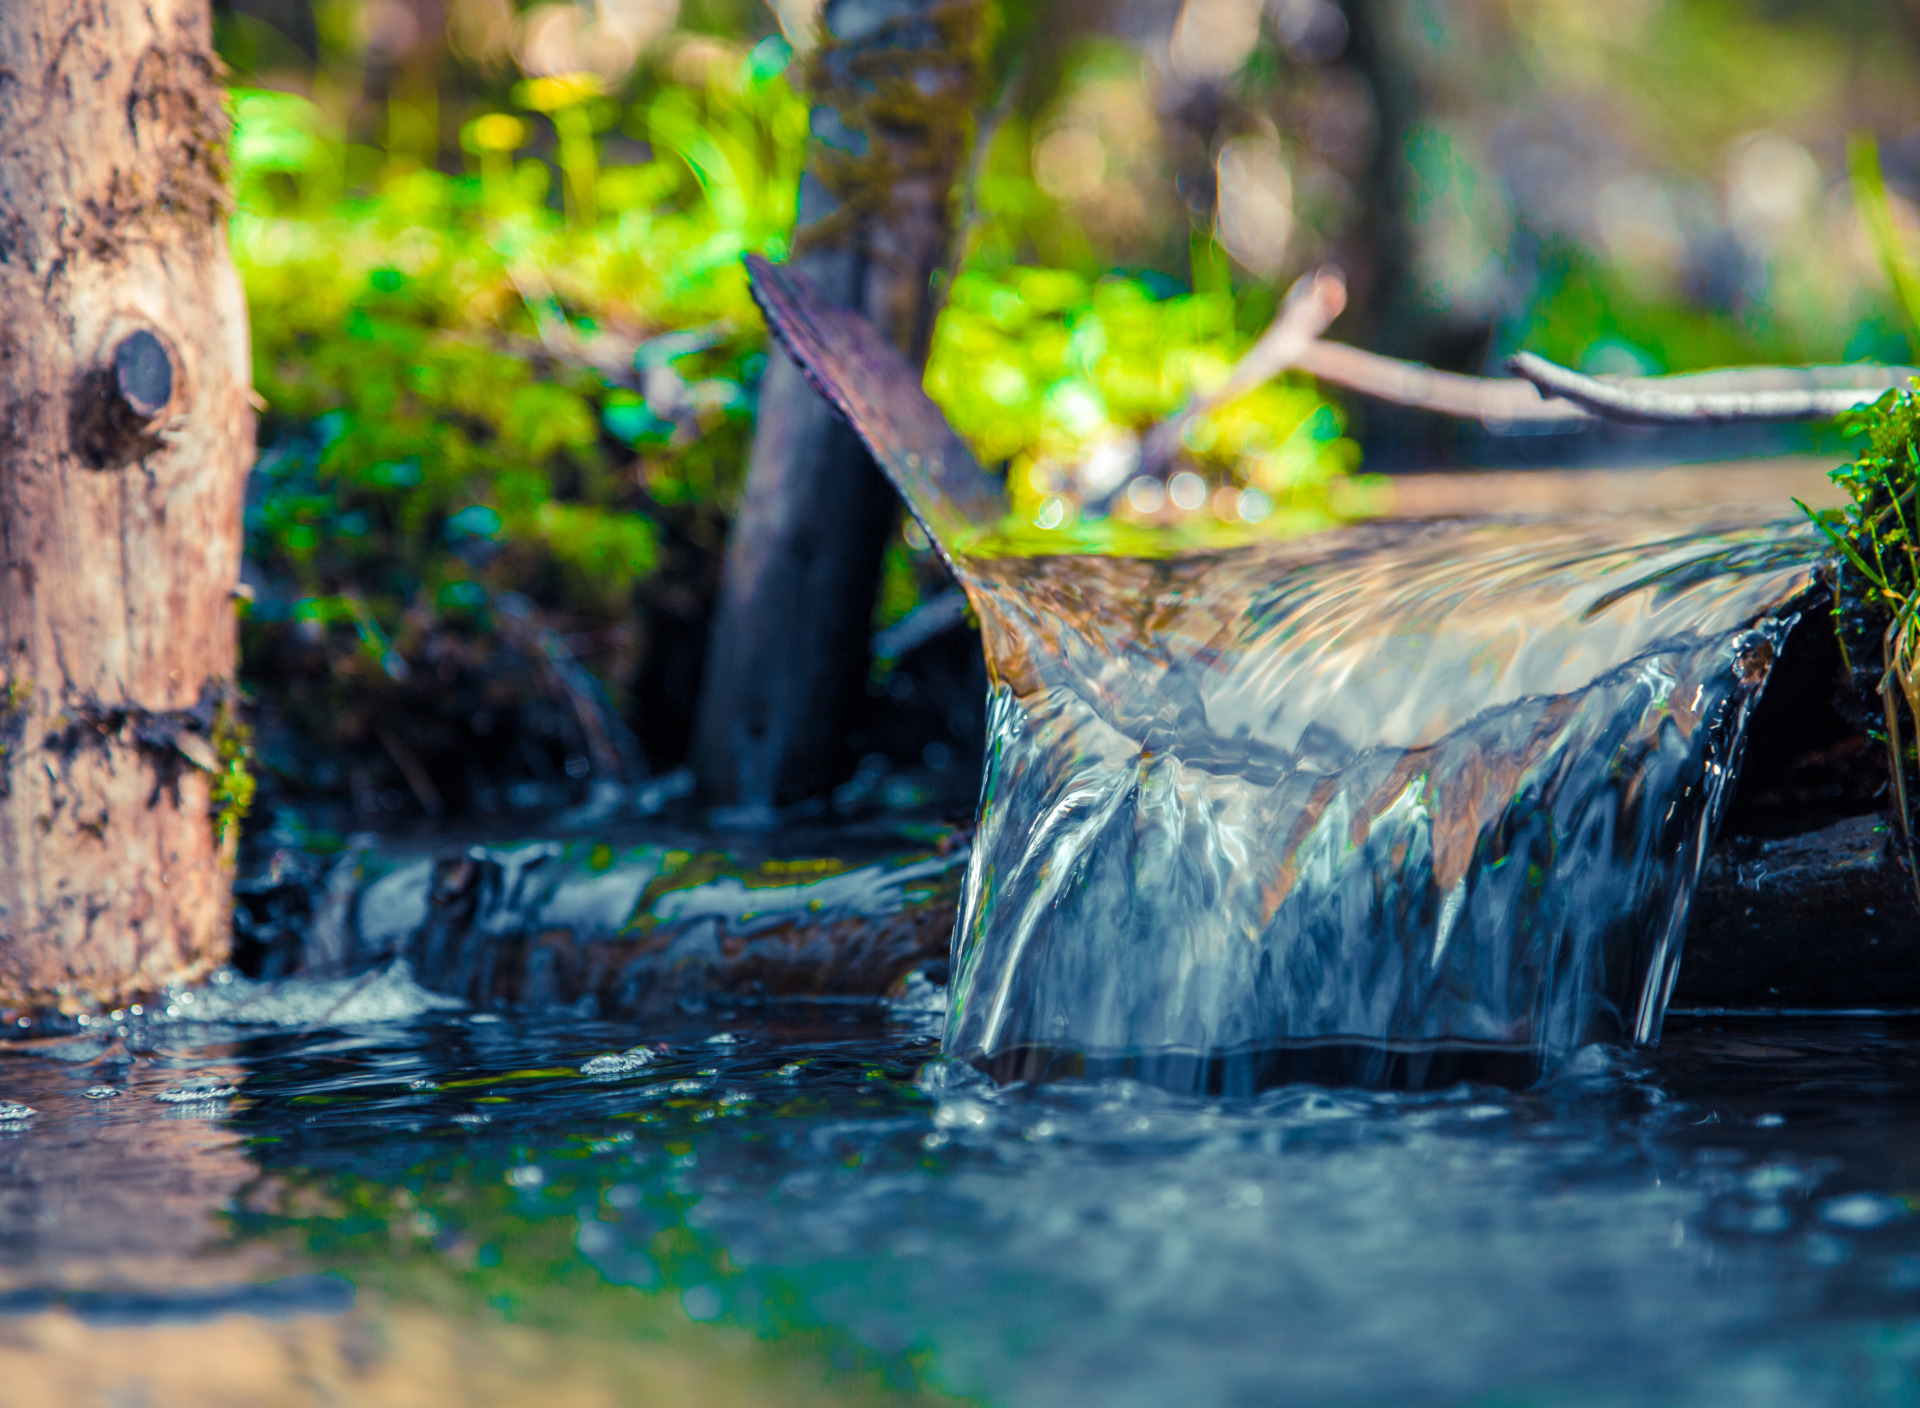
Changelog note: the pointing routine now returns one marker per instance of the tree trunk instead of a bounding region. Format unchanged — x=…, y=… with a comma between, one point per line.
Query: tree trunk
x=125, y=436
x=895, y=82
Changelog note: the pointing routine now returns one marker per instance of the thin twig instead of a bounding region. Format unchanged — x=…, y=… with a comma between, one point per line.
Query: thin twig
x=1718, y=398
x=1501, y=400
x=1310, y=306
x=411, y=768
x=611, y=745
x=1542, y=393
x=927, y=621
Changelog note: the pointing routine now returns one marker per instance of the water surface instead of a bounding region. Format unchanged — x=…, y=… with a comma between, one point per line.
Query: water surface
x=806, y=1204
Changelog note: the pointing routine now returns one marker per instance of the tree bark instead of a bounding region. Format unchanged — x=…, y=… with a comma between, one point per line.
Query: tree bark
x=125, y=436
x=895, y=82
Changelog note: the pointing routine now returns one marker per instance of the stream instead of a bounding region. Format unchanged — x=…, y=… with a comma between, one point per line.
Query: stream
x=1306, y=1039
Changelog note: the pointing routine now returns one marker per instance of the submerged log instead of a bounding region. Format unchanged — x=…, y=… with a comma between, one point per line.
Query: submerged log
x=630, y=930
x=125, y=437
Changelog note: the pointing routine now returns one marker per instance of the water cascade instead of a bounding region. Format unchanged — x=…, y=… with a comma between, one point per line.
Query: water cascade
x=1385, y=804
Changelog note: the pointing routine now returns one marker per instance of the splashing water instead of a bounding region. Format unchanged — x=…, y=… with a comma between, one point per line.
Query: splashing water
x=1388, y=804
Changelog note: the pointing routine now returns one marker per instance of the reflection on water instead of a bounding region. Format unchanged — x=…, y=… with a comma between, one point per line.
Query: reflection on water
x=1421, y=785
x=808, y=1205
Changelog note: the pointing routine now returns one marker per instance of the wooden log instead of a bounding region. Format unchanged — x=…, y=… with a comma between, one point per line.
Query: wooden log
x=633, y=930
x=894, y=82
x=125, y=436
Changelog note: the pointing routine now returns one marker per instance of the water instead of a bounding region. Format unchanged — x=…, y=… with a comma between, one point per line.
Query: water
x=807, y=1204
x=1379, y=799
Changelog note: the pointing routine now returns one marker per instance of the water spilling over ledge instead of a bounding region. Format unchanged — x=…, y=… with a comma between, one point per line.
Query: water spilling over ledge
x=1381, y=804
x=1428, y=788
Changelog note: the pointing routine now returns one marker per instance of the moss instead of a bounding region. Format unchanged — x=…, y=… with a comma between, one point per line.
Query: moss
x=909, y=92
x=13, y=725
x=234, y=784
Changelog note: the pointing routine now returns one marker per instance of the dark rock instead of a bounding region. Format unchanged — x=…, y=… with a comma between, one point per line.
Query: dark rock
x=1821, y=920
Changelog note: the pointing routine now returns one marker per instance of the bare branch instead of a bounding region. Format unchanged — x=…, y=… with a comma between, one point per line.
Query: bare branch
x=1497, y=399
x=1541, y=393
x=1717, y=398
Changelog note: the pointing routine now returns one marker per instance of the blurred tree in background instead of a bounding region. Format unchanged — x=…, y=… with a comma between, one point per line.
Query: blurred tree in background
x=509, y=361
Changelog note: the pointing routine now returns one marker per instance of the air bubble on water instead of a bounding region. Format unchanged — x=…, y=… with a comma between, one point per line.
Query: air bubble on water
x=100, y=1092
x=790, y=1070
x=961, y=1114
x=13, y=1112
x=723, y=1039
x=619, y=1063
x=527, y=1176
x=1769, y=1121
x=1862, y=1210
x=385, y=995
x=735, y=1097
x=473, y=1120
x=1484, y=1112
x=199, y=1091
x=422, y=1083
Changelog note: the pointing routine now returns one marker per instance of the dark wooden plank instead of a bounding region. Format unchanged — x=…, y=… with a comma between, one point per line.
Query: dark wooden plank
x=879, y=393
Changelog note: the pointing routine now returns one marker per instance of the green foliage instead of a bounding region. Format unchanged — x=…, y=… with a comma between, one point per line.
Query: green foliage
x=1050, y=372
x=1874, y=533
x=509, y=407
x=1877, y=574
x=234, y=786
x=472, y=389
x=1597, y=317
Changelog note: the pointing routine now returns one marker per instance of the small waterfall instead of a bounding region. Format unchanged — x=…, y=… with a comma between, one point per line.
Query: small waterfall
x=1417, y=787
x=1387, y=804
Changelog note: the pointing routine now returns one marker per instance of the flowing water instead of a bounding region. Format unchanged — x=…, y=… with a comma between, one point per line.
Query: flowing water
x=1394, y=801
